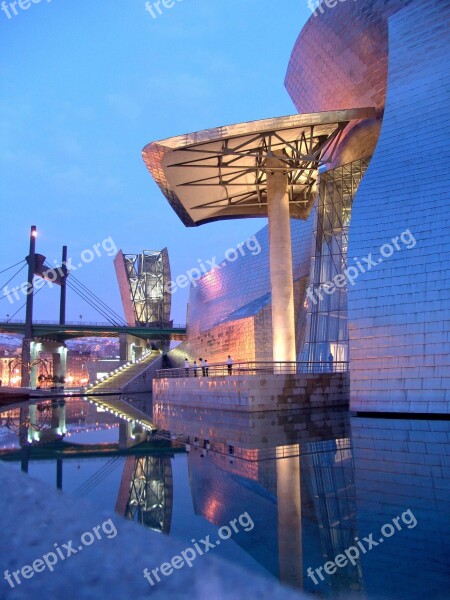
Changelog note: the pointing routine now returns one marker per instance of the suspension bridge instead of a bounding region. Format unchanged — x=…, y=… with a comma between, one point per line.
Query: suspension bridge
x=48, y=336
x=112, y=326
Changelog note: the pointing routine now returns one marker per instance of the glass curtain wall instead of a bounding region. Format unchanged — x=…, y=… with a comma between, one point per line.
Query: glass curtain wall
x=327, y=333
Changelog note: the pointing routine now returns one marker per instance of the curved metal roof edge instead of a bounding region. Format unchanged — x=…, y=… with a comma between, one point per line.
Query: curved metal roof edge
x=260, y=126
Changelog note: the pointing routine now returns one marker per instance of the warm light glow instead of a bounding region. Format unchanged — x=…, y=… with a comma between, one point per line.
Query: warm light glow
x=211, y=509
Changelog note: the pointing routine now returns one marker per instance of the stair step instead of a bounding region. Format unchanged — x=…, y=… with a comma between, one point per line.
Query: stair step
x=118, y=380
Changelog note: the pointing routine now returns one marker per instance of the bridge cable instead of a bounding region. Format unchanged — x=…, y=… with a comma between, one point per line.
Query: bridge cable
x=78, y=282
x=12, y=266
x=24, y=304
x=87, y=490
x=82, y=295
x=9, y=280
x=112, y=312
x=105, y=470
x=88, y=300
x=92, y=477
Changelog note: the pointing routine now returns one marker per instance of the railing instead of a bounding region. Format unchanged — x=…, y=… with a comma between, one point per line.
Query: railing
x=254, y=368
x=81, y=323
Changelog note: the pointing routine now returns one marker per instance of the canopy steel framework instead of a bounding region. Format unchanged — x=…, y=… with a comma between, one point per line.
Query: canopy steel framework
x=221, y=173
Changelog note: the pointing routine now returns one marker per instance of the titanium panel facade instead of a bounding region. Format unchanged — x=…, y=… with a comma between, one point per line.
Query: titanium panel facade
x=399, y=313
x=229, y=309
x=340, y=59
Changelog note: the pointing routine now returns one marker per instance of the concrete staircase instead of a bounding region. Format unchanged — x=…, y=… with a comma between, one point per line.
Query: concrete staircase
x=121, y=377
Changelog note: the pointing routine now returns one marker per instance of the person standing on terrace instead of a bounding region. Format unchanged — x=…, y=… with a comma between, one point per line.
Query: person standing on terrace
x=230, y=365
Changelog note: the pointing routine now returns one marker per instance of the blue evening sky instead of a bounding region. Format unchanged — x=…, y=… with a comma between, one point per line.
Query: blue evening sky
x=85, y=85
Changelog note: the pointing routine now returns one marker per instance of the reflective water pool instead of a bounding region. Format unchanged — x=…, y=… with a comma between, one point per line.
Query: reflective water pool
x=339, y=506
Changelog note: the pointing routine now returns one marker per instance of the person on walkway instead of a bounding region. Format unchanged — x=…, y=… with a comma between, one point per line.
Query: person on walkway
x=202, y=366
x=205, y=363
x=330, y=362
x=195, y=368
x=186, y=366
x=230, y=365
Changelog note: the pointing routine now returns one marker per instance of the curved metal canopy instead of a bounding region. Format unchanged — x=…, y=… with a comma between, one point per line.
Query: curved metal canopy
x=221, y=173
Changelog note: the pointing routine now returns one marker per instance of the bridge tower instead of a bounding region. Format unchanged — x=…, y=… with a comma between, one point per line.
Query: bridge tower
x=31, y=348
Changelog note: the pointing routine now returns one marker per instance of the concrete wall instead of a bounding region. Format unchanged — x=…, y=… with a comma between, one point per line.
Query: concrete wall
x=104, y=365
x=143, y=382
x=254, y=393
x=399, y=312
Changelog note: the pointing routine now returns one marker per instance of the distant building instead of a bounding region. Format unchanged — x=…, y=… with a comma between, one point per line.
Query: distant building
x=77, y=368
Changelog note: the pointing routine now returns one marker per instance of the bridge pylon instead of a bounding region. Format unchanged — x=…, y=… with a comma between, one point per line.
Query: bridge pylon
x=31, y=349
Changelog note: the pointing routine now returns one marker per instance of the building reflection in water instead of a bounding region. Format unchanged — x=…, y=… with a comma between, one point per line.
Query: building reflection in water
x=49, y=420
x=146, y=491
x=313, y=482
x=400, y=465
x=292, y=472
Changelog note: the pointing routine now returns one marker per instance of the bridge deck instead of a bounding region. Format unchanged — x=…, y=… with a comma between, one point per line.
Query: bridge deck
x=59, y=332
x=67, y=451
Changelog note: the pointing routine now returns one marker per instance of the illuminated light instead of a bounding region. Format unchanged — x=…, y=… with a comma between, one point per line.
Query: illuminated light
x=34, y=233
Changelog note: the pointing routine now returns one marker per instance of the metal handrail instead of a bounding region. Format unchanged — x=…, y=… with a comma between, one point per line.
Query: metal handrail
x=254, y=368
x=95, y=324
